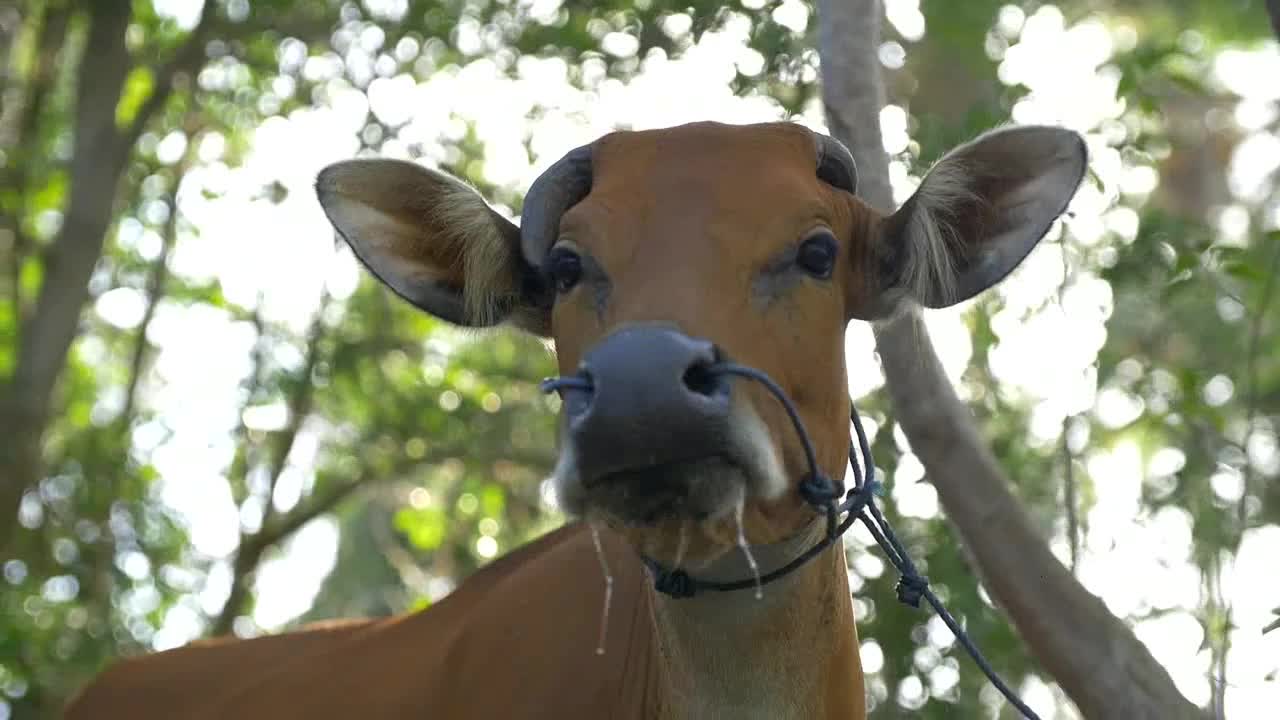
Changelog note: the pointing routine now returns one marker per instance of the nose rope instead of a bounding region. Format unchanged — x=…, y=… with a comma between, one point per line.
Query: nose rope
x=820, y=492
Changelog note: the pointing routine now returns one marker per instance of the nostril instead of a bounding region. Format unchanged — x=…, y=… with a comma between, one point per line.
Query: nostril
x=701, y=377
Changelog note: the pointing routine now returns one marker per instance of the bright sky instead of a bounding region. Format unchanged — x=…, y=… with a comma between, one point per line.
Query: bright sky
x=283, y=255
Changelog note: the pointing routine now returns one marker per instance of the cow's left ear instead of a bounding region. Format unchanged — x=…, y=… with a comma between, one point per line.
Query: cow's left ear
x=977, y=214
x=435, y=242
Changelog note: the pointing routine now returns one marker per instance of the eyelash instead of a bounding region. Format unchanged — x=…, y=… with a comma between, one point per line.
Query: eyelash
x=816, y=257
x=563, y=268
x=817, y=253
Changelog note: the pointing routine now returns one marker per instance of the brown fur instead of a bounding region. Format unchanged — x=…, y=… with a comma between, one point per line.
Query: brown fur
x=533, y=612
x=680, y=224
x=681, y=220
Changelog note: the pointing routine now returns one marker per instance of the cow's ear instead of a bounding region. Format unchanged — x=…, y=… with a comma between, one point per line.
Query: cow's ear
x=434, y=241
x=976, y=215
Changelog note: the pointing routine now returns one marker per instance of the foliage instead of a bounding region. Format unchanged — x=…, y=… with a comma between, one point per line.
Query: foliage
x=429, y=445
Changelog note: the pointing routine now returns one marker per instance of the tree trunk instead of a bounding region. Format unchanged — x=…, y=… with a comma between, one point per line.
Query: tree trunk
x=100, y=155
x=1096, y=659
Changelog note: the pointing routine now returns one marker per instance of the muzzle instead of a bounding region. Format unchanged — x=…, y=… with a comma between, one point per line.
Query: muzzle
x=646, y=396
x=816, y=488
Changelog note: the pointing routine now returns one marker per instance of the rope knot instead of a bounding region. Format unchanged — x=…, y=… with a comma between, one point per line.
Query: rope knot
x=675, y=583
x=911, y=588
x=818, y=490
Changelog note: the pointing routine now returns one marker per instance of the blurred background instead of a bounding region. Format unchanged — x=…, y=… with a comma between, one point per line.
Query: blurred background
x=212, y=422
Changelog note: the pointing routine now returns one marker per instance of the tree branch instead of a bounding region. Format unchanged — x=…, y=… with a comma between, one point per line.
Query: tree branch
x=1256, y=324
x=249, y=556
x=299, y=407
x=1273, y=625
x=157, y=281
x=186, y=61
x=101, y=152
x=402, y=561
x=305, y=512
x=1095, y=657
x=1069, y=497
x=238, y=473
x=48, y=332
x=10, y=25
x=21, y=141
x=1220, y=652
x=252, y=547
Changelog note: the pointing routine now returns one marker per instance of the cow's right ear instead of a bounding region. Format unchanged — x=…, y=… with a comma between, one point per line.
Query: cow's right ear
x=435, y=242
x=977, y=214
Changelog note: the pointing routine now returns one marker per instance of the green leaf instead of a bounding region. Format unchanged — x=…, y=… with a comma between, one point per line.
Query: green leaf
x=30, y=277
x=425, y=528
x=138, y=86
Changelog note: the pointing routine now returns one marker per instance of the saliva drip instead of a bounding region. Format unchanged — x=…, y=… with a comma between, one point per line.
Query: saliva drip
x=746, y=549
x=608, y=590
x=683, y=545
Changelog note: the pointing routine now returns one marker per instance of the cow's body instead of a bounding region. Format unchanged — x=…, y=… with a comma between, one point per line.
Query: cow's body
x=655, y=260
x=517, y=640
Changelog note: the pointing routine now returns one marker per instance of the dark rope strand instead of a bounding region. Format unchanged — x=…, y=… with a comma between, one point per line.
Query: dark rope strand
x=820, y=492
x=884, y=538
x=753, y=374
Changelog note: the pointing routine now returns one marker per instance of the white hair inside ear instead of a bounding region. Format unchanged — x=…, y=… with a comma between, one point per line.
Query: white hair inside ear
x=428, y=236
x=978, y=213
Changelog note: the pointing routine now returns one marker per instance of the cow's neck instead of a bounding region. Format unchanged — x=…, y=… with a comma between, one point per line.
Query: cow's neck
x=791, y=654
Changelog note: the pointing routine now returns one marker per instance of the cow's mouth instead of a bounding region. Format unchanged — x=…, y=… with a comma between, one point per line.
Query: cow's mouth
x=699, y=489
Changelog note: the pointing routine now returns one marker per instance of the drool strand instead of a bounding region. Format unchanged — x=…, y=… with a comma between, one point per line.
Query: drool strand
x=683, y=545
x=608, y=590
x=742, y=544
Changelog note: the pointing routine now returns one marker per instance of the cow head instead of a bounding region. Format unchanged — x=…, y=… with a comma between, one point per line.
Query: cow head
x=649, y=257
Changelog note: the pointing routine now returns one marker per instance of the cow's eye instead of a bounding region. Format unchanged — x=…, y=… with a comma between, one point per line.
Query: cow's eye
x=564, y=268
x=817, y=254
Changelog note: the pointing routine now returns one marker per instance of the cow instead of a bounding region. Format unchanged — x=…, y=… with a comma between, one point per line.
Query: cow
x=650, y=259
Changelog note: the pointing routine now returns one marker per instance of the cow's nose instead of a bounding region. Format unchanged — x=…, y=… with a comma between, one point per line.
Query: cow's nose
x=655, y=400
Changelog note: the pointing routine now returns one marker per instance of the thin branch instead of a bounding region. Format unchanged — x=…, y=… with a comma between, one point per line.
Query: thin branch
x=238, y=473
x=1069, y=497
x=1275, y=624
x=185, y=61
x=1068, y=457
x=157, y=283
x=53, y=33
x=249, y=556
x=253, y=547
x=1251, y=375
x=1256, y=324
x=10, y=25
x=189, y=57
x=307, y=29
x=305, y=512
x=299, y=408
x=1218, y=654
x=402, y=561
x=22, y=141
x=246, y=560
